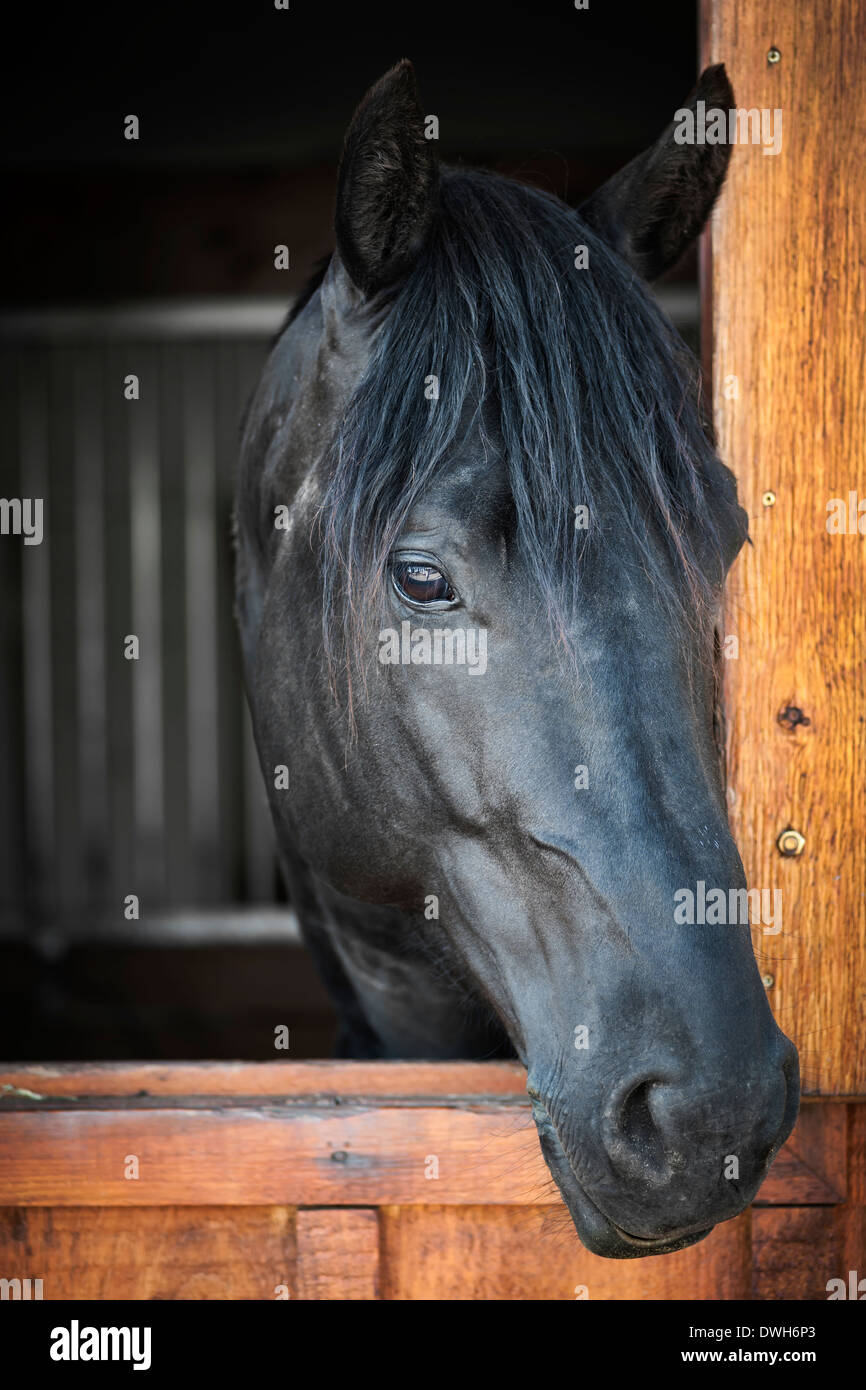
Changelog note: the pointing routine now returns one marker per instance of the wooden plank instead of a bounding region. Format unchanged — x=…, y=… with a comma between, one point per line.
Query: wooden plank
x=520, y=1253
x=145, y=1253
x=310, y=1151
x=338, y=1254
x=811, y=1168
x=295, y=1079
x=788, y=307
x=795, y=1251
x=852, y=1216
x=332, y=1132
x=857, y=1154
x=341, y=1155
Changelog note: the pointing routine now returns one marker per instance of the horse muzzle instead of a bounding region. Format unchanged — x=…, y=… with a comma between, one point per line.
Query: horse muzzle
x=660, y=1182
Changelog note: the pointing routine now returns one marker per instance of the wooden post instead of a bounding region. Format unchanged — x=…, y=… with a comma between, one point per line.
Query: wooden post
x=338, y=1253
x=784, y=280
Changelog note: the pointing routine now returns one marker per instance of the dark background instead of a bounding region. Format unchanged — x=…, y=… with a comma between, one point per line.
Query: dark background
x=115, y=780
x=243, y=109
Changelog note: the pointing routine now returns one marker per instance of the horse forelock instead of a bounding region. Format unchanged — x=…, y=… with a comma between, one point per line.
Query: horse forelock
x=595, y=398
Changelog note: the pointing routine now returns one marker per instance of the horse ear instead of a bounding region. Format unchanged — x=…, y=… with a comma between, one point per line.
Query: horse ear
x=387, y=184
x=657, y=204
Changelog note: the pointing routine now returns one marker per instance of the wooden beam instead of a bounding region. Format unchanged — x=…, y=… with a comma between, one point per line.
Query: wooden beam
x=785, y=301
x=276, y=1079
x=300, y=1155
x=311, y=1134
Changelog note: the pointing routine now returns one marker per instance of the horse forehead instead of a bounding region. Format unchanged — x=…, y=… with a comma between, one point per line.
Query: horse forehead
x=467, y=491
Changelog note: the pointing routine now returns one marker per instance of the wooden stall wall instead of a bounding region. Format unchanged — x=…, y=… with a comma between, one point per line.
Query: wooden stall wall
x=333, y=1180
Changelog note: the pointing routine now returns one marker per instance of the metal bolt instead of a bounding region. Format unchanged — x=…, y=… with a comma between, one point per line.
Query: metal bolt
x=769, y=499
x=774, y=56
x=768, y=981
x=790, y=843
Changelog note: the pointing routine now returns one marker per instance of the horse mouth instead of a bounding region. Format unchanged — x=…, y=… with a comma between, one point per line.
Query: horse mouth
x=641, y=1245
x=602, y=1236
x=598, y=1232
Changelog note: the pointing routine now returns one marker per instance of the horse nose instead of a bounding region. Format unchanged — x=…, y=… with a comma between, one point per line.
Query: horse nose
x=659, y=1130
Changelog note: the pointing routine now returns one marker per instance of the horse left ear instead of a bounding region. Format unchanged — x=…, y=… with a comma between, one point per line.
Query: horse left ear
x=657, y=204
x=387, y=184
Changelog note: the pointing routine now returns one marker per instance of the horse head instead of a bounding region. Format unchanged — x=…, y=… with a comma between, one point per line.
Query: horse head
x=483, y=536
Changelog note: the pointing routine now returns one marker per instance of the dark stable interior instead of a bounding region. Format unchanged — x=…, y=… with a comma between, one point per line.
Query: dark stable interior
x=242, y=117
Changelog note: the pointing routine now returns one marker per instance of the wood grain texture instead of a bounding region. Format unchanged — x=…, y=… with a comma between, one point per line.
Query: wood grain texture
x=494, y=1253
x=852, y=1216
x=345, y=1155
x=338, y=1254
x=212, y=1211
x=795, y=1251
x=811, y=1169
x=204, y=1253
x=294, y=1079
x=65, y=1136
x=786, y=288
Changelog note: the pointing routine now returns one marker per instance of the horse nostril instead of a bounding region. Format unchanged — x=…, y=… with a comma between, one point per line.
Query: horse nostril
x=636, y=1121
x=634, y=1138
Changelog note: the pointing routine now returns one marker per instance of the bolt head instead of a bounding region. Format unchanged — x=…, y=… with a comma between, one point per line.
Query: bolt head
x=791, y=843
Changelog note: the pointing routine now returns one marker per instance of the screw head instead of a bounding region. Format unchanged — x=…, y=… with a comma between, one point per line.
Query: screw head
x=768, y=981
x=769, y=499
x=791, y=843
x=773, y=55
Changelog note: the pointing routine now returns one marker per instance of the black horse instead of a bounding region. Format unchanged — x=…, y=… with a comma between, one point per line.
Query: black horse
x=482, y=539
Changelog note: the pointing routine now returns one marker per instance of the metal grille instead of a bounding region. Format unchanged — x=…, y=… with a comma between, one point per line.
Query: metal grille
x=125, y=776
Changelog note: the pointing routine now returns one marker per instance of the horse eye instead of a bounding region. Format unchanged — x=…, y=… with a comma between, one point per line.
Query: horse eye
x=420, y=582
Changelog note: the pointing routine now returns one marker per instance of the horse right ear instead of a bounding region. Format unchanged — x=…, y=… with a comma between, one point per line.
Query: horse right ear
x=387, y=183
